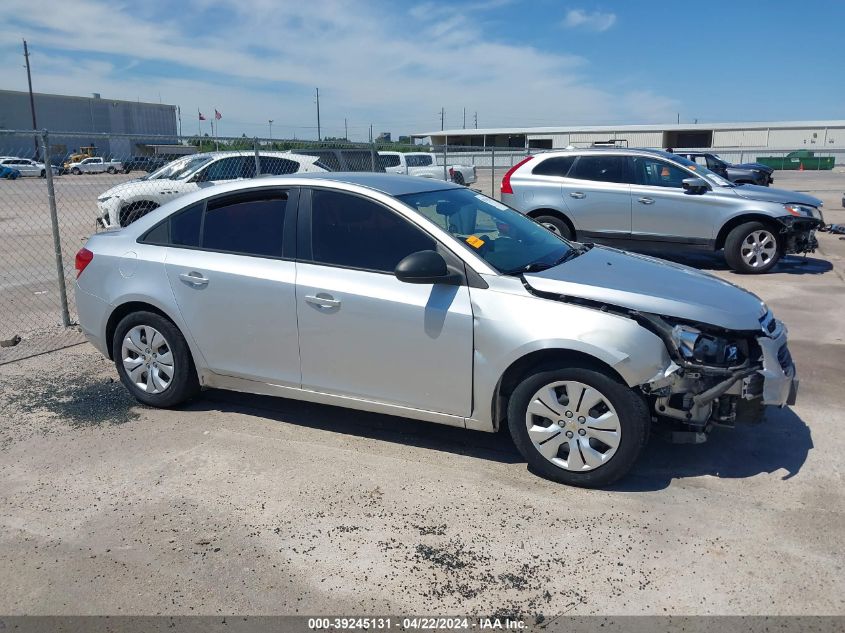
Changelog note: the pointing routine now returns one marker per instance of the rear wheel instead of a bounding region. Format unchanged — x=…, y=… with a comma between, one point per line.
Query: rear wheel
x=752, y=248
x=578, y=426
x=111, y=170
x=153, y=360
x=43, y=173
x=135, y=211
x=556, y=226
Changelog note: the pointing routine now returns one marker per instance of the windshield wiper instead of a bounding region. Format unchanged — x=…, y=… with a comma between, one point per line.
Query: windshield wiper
x=535, y=267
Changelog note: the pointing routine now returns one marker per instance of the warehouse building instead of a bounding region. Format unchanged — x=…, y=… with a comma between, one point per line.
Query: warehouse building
x=153, y=123
x=742, y=138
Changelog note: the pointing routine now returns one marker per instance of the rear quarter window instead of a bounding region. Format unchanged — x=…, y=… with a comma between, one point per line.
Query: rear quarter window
x=556, y=166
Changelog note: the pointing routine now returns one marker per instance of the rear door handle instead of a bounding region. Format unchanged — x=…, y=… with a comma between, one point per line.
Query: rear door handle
x=577, y=194
x=645, y=200
x=194, y=278
x=325, y=301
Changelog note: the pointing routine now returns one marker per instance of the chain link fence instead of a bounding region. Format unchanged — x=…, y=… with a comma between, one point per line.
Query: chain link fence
x=56, y=189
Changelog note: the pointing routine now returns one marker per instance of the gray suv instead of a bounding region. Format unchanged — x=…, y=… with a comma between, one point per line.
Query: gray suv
x=652, y=200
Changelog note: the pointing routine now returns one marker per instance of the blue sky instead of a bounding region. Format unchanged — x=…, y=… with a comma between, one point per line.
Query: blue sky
x=395, y=64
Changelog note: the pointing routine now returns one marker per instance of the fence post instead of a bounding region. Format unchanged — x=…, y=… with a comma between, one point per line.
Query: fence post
x=493, y=172
x=54, y=222
x=257, y=161
x=373, y=156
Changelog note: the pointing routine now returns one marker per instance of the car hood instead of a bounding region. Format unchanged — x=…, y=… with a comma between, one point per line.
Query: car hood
x=651, y=285
x=769, y=194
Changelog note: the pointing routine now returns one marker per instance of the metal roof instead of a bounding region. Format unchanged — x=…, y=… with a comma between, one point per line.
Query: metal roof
x=565, y=129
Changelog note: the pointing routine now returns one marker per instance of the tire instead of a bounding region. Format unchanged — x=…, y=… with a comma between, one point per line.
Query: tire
x=135, y=211
x=615, y=407
x=752, y=248
x=111, y=170
x=458, y=178
x=126, y=170
x=556, y=226
x=168, y=385
x=43, y=173
x=76, y=171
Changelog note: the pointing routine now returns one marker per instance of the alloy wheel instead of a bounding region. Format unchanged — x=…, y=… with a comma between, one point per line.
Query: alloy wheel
x=573, y=425
x=551, y=227
x=148, y=359
x=758, y=248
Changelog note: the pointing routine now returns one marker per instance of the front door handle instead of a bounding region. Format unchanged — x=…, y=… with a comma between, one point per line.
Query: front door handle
x=193, y=278
x=324, y=301
x=645, y=200
x=577, y=194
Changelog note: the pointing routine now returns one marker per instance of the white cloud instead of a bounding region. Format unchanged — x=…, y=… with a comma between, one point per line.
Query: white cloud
x=262, y=59
x=595, y=21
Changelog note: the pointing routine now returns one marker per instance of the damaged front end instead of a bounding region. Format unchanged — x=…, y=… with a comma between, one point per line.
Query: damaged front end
x=798, y=232
x=718, y=377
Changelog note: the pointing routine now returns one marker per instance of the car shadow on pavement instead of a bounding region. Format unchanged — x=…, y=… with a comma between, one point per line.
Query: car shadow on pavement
x=781, y=442
x=496, y=447
x=790, y=264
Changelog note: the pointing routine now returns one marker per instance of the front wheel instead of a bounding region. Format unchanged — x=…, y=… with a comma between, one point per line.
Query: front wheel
x=578, y=426
x=752, y=248
x=153, y=360
x=458, y=178
x=76, y=171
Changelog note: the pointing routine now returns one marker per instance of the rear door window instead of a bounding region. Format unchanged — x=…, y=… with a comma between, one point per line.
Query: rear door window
x=250, y=224
x=600, y=168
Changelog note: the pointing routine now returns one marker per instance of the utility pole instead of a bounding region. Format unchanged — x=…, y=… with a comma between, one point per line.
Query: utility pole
x=442, y=117
x=679, y=118
x=371, y=132
x=31, y=98
x=465, y=118
x=319, y=136
x=270, y=121
x=345, y=129
x=476, y=120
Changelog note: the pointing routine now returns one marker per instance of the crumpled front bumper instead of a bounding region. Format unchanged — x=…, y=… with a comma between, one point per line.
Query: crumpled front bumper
x=780, y=379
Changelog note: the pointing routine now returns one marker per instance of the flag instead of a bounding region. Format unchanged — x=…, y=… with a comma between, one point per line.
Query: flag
x=202, y=118
x=217, y=115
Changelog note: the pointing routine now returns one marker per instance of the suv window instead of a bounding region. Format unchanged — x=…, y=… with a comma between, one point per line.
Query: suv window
x=419, y=161
x=600, y=168
x=246, y=224
x=557, y=166
x=277, y=166
x=350, y=231
x=657, y=173
x=389, y=160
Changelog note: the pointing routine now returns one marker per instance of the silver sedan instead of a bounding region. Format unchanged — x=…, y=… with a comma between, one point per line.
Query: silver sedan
x=426, y=300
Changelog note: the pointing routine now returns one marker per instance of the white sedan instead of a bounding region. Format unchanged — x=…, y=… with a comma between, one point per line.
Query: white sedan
x=27, y=167
x=123, y=204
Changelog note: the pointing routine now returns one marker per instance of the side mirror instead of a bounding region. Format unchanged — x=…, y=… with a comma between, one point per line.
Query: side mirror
x=695, y=186
x=425, y=267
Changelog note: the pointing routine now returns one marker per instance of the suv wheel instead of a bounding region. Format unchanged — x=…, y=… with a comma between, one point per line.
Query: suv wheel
x=153, y=360
x=578, y=426
x=752, y=248
x=556, y=226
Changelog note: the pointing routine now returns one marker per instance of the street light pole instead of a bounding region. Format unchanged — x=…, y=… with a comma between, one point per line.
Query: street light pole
x=31, y=98
x=319, y=136
x=270, y=121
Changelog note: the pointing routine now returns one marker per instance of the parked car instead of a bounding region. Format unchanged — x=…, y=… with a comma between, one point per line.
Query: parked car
x=145, y=163
x=27, y=167
x=9, y=173
x=345, y=159
x=424, y=299
x=123, y=204
x=95, y=165
x=801, y=159
x=423, y=164
x=651, y=200
x=742, y=174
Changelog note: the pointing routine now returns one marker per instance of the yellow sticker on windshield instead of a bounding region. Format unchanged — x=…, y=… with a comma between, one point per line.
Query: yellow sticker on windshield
x=691, y=167
x=475, y=242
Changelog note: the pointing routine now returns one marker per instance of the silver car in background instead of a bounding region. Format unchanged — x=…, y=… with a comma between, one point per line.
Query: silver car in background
x=651, y=200
x=424, y=299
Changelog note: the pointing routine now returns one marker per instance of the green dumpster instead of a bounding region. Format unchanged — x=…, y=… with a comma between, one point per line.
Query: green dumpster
x=797, y=160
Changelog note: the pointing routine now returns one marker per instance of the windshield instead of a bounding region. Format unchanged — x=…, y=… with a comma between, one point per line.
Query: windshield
x=507, y=240
x=180, y=168
x=701, y=170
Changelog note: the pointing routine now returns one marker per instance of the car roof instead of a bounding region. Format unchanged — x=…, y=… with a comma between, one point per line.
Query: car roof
x=599, y=151
x=391, y=184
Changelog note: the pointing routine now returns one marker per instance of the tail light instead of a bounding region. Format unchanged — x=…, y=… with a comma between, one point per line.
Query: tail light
x=83, y=258
x=506, y=181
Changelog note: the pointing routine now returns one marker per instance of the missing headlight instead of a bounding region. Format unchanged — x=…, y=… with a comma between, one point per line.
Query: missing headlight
x=706, y=349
